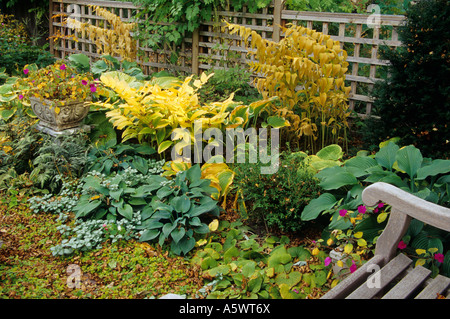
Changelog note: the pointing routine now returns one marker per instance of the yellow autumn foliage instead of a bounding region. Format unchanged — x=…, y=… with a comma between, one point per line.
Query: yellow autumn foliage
x=306, y=71
x=114, y=40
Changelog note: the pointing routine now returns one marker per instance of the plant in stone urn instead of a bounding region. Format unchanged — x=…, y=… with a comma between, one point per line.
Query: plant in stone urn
x=57, y=94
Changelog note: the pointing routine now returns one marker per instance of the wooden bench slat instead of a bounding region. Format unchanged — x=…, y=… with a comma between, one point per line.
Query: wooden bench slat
x=437, y=286
x=386, y=274
x=408, y=284
x=351, y=282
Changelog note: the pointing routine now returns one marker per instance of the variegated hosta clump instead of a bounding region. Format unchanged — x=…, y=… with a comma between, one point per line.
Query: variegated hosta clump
x=306, y=71
x=150, y=111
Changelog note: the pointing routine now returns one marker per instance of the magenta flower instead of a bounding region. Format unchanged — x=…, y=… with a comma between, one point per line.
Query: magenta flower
x=20, y=96
x=401, y=245
x=362, y=209
x=327, y=261
x=62, y=67
x=380, y=205
x=26, y=71
x=439, y=257
x=353, y=267
x=84, y=82
x=342, y=212
x=93, y=88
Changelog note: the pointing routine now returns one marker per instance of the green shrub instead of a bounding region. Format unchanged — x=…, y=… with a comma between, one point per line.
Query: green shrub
x=413, y=103
x=277, y=199
x=16, y=50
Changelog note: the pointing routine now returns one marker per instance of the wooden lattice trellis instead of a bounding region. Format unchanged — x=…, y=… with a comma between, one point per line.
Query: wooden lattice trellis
x=209, y=47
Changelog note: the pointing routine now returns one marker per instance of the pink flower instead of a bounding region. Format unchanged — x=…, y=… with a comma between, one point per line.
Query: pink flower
x=380, y=205
x=439, y=257
x=342, y=212
x=20, y=96
x=327, y=261
x=362, y=209
x=353, y=267
x=84, y=82
x=93, y=88
x=295, y=290
x=26, y=71
x=401, y=245
x=62, y=67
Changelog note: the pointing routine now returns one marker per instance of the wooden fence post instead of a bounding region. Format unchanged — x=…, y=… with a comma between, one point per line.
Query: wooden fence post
x=195, y=51
x=277, y=9
x=50, y=27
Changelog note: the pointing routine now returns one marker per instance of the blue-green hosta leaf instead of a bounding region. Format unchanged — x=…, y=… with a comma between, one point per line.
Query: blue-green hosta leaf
x=336, y=177
x=409, y=159
x=386, y=156
x=149, y=235
x=177, y=234
x=436, y=167
x=126, y=211
x=316, y=206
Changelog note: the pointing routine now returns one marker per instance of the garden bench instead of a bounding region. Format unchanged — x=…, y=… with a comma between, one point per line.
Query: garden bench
x=394, y=276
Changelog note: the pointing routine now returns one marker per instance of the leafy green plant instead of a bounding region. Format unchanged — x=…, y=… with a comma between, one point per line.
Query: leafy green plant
x=416, y=92
x=63, y=157
x=403, y=167
x=169, y=209
x=226, y=81
x=167, y=22
x=238, y=265
x=104, y=64
x=16, y=49
x=112, y=157
x=174, y=213
x=277, y=199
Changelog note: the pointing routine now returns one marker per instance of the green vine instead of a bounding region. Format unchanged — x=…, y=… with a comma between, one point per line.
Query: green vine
x=167, y=22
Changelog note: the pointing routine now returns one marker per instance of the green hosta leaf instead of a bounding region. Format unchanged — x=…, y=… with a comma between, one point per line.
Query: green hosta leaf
x=164, y=192
x=331, y=152
x=335, y=177
x=149, y=235
x=204, y=208
x=186, y=244
x=358, y=165
x=290, y=279
x=168, y=228
x=194, y=173
x=409, y=159
x=182, y=204
x=436, y=167
x=316, y=206
x=386, y=156
x=83, y=208
x=177, y=234
x=126, y=211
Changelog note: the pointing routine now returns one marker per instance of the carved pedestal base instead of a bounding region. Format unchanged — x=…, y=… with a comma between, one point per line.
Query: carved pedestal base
x=69, y=116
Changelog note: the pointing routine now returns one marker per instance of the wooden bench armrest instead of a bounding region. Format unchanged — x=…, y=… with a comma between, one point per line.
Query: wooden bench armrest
x=406, y=203
x=404, y=207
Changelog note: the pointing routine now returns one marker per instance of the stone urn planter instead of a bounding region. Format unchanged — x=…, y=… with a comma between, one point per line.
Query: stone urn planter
x=69, y=116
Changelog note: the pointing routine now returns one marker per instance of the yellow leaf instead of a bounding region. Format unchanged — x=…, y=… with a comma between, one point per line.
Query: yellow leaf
x=362, y=242
x=213, y=225
x=201, y=242
x=420, y=251
x=315, y=251
x=340, y=263
x=381, y=217
x=433, y=250
x=358, y=234
x=348, y=248
x=420, y=262
x=334, y=283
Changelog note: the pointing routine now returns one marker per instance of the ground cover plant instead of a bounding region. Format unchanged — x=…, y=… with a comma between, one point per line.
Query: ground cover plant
x=110, y=213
